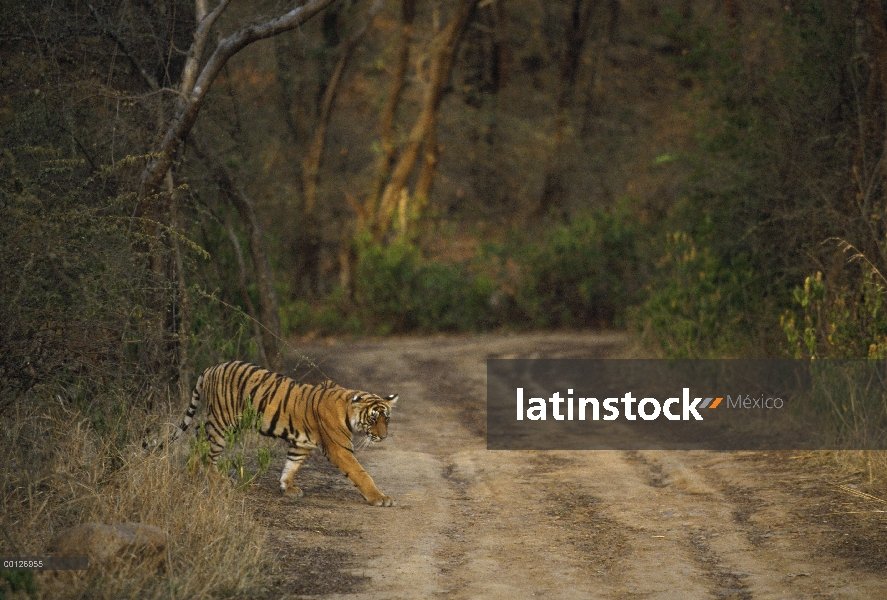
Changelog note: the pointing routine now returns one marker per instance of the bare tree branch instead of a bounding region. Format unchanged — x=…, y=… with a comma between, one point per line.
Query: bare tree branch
x=553, y=188
x=195, y=53
x=186, y=113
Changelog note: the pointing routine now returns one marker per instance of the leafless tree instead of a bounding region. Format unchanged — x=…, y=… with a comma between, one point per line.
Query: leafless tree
x=422, y=134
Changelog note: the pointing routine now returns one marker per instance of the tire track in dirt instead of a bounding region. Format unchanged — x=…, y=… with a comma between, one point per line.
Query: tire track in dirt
x=748, y=544
x=473, y=523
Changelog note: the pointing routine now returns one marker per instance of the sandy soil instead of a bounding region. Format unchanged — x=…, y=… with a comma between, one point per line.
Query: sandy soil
x=473, y=523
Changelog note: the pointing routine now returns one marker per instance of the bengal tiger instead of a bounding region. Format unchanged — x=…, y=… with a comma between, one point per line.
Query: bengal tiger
x=322, y=416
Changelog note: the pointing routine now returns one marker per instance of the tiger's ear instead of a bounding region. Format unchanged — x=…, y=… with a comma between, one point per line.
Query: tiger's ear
x=392, y=399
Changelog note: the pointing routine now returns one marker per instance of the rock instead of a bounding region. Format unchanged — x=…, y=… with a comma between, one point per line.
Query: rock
x=103, y=543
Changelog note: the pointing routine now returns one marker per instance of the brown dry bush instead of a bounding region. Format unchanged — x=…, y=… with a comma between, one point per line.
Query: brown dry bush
x=60, y=472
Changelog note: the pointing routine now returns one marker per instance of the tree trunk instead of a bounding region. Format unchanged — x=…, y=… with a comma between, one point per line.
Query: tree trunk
x=197, y=78
x=554, y=188
x=869, y=165
x=389, y=110
x=269, y=307
x=429, y=168
x=244, y=291
x=443, y=49
x=310, y=245
x=312, y=161
x=599, y=48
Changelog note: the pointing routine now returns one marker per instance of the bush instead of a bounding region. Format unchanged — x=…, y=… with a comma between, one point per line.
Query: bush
x=772, y=117
x=838, y=321
x=396, y=290
x=844, y=321
x=582, y=273
x=82, y=309
x=696, y=307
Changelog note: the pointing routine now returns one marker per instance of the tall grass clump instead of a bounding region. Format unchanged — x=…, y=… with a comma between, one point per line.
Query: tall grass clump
x=60, y=471
x=839, y=324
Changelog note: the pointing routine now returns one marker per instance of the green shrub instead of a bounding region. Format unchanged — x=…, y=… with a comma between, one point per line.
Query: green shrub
x=582, y=273
x=771, y=118
x=296, y=316
x=843, y=321
x=18, y=583
x=838, y=321
x=396, y=289
x=696, y=306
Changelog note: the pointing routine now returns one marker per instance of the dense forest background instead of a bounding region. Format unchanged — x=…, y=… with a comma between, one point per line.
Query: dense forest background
x=183, y=182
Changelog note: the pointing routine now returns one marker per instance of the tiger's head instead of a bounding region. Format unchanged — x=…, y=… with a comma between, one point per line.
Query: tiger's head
x=370, y=414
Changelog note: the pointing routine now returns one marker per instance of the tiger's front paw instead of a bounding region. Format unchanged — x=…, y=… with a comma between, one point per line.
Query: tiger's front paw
x=383, y=501
x=292, y=491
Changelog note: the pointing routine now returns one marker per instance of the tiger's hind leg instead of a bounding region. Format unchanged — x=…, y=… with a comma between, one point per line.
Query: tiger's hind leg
x=216, y=442
x=295, y=456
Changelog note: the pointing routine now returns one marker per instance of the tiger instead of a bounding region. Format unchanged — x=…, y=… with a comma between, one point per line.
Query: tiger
x=307, y=417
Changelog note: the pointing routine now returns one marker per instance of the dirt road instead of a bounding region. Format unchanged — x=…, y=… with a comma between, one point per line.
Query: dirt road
x=473, y=523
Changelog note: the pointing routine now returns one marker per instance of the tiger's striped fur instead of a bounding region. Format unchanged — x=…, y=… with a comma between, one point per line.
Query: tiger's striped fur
x=325, y=416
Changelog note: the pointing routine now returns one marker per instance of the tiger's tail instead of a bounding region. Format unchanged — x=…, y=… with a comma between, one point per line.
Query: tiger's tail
x=154, y=445
x=192, y=409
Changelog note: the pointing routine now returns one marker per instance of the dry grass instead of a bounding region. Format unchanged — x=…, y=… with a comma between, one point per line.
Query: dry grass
x=59, y=472
x=870, y=464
